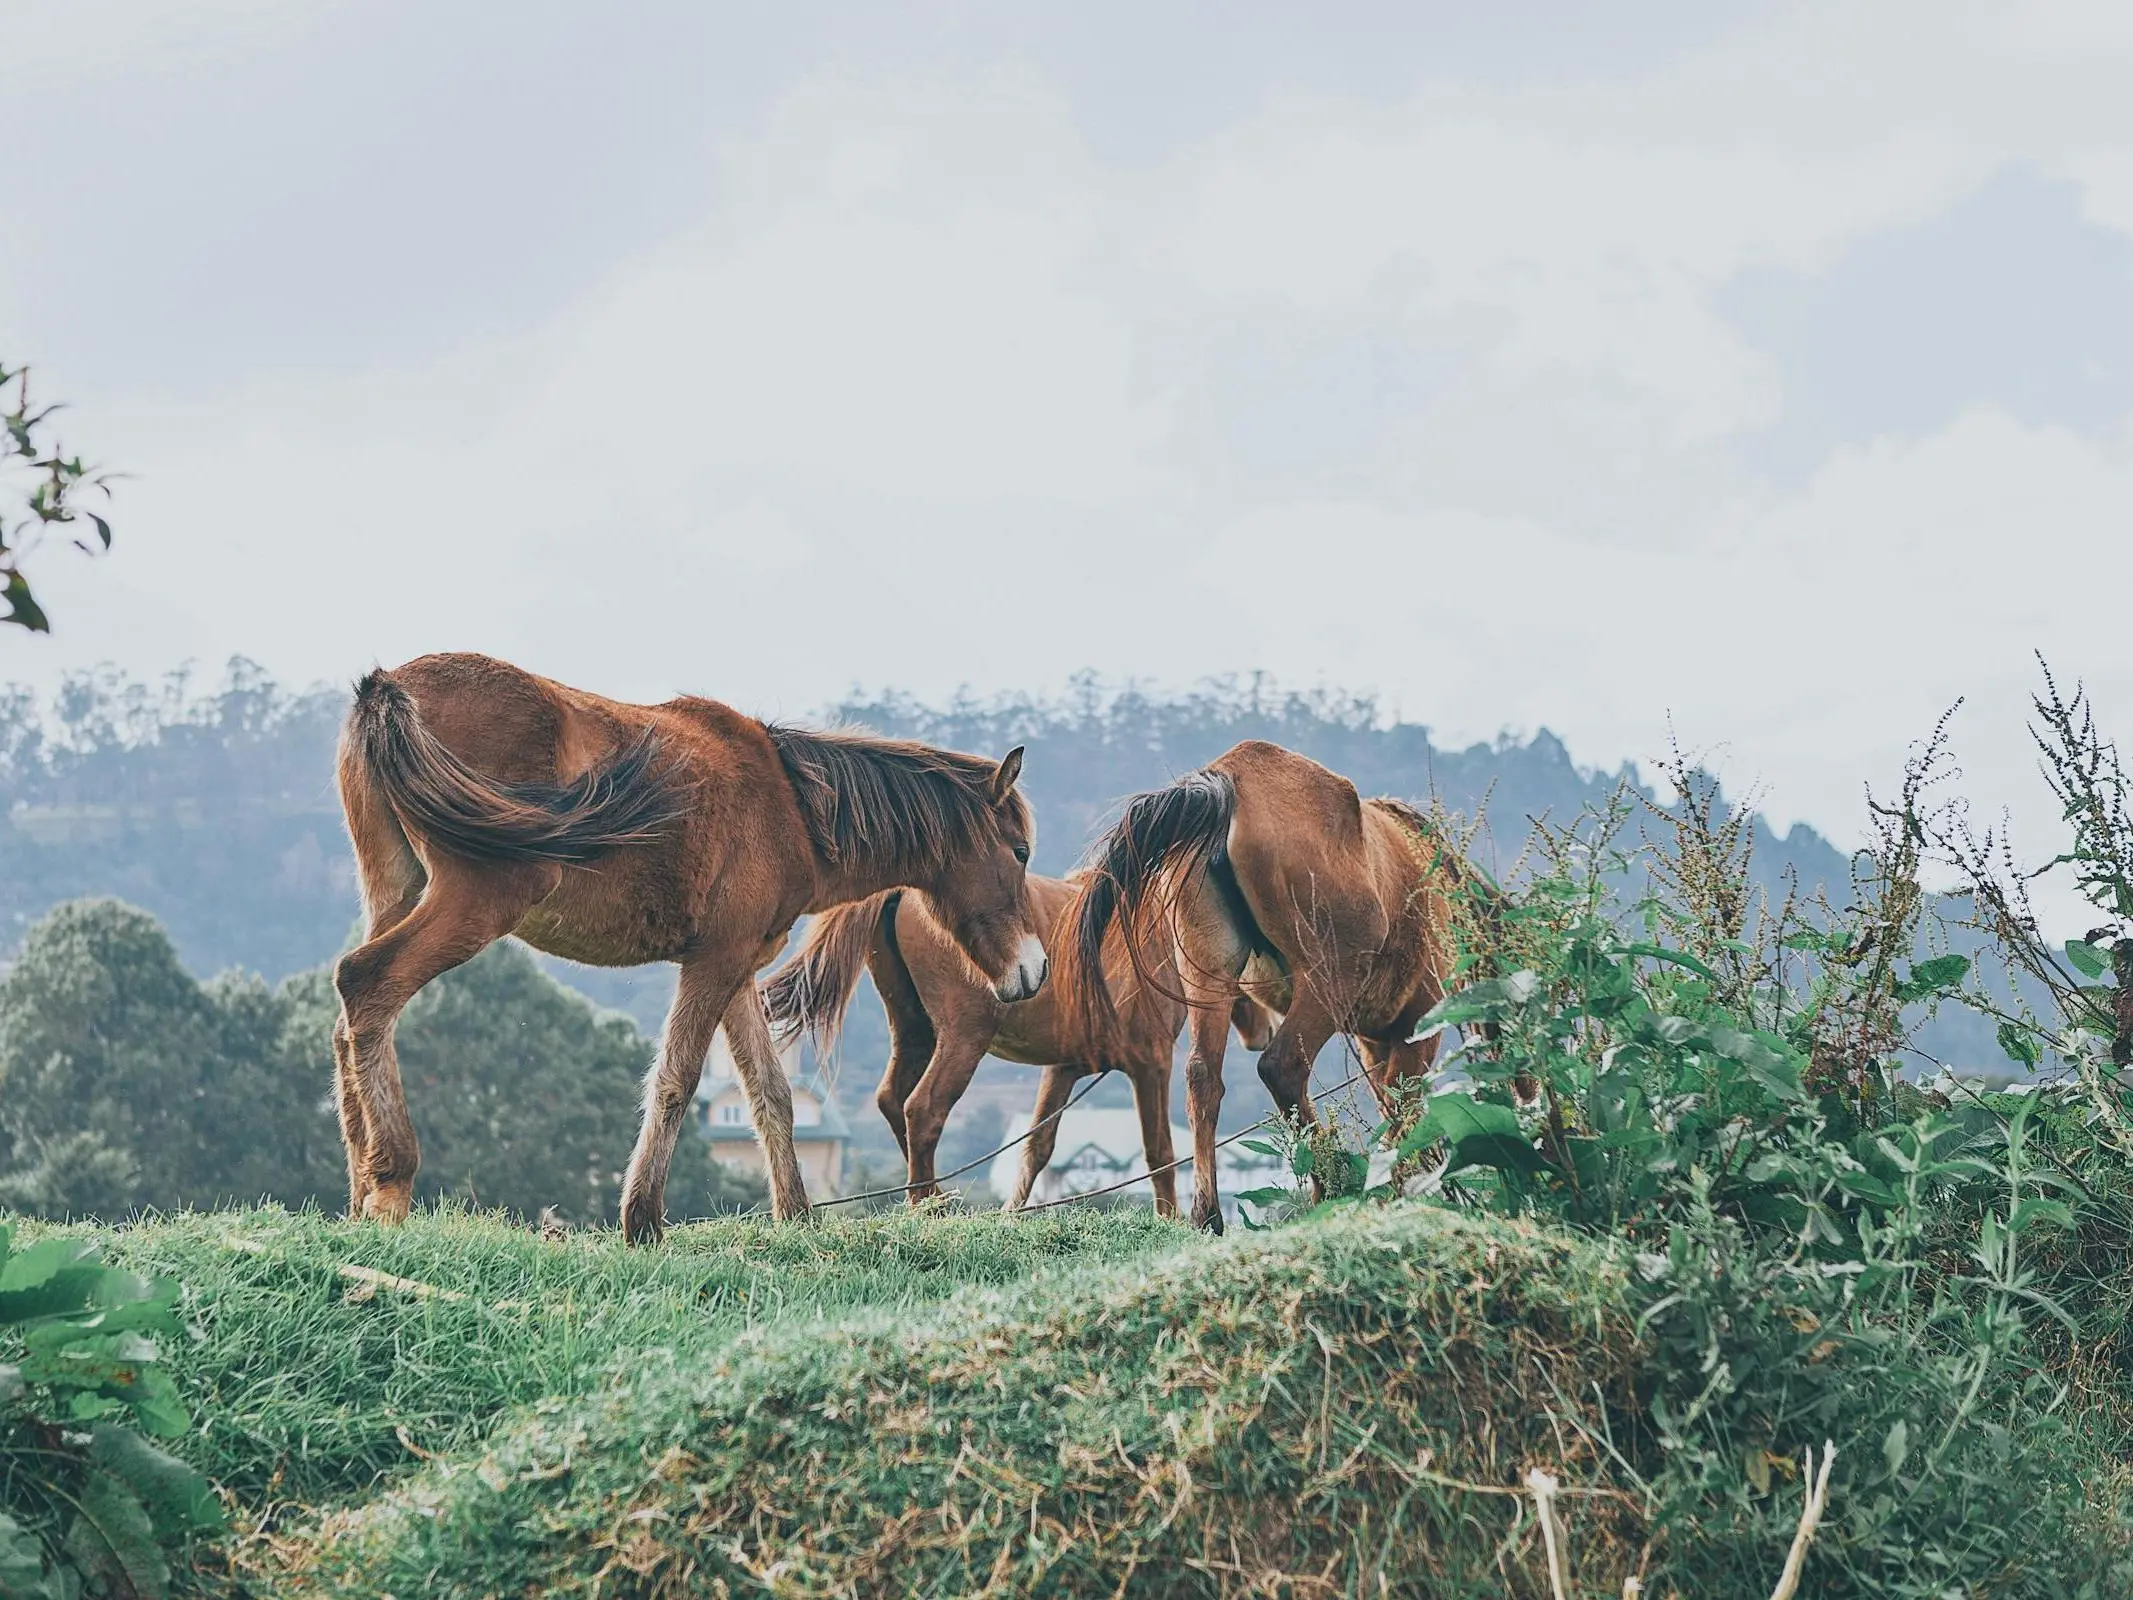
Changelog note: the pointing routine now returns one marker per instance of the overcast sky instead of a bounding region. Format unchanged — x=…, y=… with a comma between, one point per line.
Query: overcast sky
x=1766, y=368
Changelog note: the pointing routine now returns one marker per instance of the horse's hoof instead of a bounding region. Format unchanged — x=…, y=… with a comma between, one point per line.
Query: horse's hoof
x=389, y=1204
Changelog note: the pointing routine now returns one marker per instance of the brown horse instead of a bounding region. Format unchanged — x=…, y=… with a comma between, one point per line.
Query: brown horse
x=1284, y=885
x=943, y=1019
x=485, y=801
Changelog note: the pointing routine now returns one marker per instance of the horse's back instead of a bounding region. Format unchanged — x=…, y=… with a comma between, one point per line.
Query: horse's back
x=1296, y=836
x=639, y=902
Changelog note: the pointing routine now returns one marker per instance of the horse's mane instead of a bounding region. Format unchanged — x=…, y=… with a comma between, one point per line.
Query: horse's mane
x=1406, y=814
x=912, y=806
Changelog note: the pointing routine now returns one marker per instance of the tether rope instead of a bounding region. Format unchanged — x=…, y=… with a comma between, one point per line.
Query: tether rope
x=970, y=1166
x=1171, y=1166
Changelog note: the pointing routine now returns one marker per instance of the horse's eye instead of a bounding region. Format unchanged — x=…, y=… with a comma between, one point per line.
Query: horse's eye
x=1022, y=854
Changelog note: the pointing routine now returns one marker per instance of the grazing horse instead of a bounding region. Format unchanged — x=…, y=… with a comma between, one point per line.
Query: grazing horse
x=943, y=1018
x=1282, y=884
x=485, y=801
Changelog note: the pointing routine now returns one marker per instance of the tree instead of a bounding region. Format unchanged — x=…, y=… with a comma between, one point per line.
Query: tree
x=49, y=486
x=523, y=1094
x=124, y=1083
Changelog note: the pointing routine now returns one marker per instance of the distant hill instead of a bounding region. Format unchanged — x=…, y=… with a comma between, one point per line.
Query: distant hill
x=214, y=808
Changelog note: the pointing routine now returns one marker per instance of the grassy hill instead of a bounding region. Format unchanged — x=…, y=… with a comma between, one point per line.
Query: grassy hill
x=1078, y=1403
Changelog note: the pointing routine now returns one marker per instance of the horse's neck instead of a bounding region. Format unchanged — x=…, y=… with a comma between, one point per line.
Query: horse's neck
x=842, y=883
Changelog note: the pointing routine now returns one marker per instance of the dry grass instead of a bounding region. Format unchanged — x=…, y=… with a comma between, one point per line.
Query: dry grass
x=1346, y=1407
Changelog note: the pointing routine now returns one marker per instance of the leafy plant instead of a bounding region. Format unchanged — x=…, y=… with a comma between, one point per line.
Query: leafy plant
x=49, y=485
x=88, y=1505
x=1697, y=1045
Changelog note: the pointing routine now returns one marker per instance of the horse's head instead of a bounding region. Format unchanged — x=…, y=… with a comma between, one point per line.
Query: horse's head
x=1254, y=1022
x=981, y=894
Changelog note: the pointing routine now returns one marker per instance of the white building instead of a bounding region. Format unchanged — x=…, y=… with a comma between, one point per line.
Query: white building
x=819, y=1132
x=1097, y=1149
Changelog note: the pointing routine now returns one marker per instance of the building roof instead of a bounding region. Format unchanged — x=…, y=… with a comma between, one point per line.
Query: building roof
x=832, y=1126
x=1091, y=1141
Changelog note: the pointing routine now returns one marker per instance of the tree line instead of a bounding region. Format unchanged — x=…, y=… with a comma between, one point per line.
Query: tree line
x=212, y=806
x=125, y=1083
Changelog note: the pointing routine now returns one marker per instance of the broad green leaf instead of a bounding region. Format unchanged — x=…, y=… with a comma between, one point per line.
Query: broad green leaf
x=2089, y=961
x=1932, y=977
x=114, y=1539
x=69, y=1291
x=2028, y=1211
x=2018, y=1044
x=1478, y=1002
x=1678, y=958
x=178, y=1499
x=1865, y=1186
x=1897, y=1446
x=1479, y=1132
x=21, y=1563
x=159, y=1410
x=1302, y=1160
x=1674, y=1030
x=1776, y=1069
x=42, y=1262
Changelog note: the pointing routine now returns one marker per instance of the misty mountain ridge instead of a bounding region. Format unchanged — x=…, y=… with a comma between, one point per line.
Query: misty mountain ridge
x=215, y=810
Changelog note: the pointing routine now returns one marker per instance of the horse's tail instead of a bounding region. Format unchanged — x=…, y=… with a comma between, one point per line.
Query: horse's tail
x=438, y=797
x=812, y=991
x=1164, y=833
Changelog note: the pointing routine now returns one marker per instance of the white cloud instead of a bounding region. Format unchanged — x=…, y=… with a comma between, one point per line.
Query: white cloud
x=923, y=392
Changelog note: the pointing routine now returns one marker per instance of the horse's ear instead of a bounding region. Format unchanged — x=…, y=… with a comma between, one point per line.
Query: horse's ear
x=1003, y=778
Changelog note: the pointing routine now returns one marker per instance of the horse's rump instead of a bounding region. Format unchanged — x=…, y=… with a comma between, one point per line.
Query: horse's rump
x=1164, y=840
x=440, y=799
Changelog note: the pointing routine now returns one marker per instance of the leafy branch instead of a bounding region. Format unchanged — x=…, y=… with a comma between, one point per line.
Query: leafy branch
x=41, y=494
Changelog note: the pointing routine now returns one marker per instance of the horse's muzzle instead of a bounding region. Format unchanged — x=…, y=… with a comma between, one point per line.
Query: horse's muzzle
x=1027, y=975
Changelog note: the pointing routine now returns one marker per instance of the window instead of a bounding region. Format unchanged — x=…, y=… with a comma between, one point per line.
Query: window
x=731, y=1114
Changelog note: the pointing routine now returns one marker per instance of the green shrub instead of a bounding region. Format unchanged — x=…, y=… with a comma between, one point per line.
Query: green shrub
x=87, y=1504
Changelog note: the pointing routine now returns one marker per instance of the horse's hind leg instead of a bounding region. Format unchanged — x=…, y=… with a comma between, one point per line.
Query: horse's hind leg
x=911, y=1041
x=1207, y=1022
x=461, y=913
x=1151, y=1097
x=1285, y=1065
x=955, y=1062
x=392, y=879
x=1394, y=1065
x=706, y=988
x=769, y=1096
x=1053, y=1091
x=355, y=1127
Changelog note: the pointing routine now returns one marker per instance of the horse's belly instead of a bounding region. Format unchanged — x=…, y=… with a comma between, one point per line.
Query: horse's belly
x=588, y=920
x=1028, y=1035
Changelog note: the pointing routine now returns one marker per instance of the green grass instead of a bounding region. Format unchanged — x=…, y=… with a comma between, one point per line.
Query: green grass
x=1330, y=1405
x=1074, y=1403
x=306, y=1389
